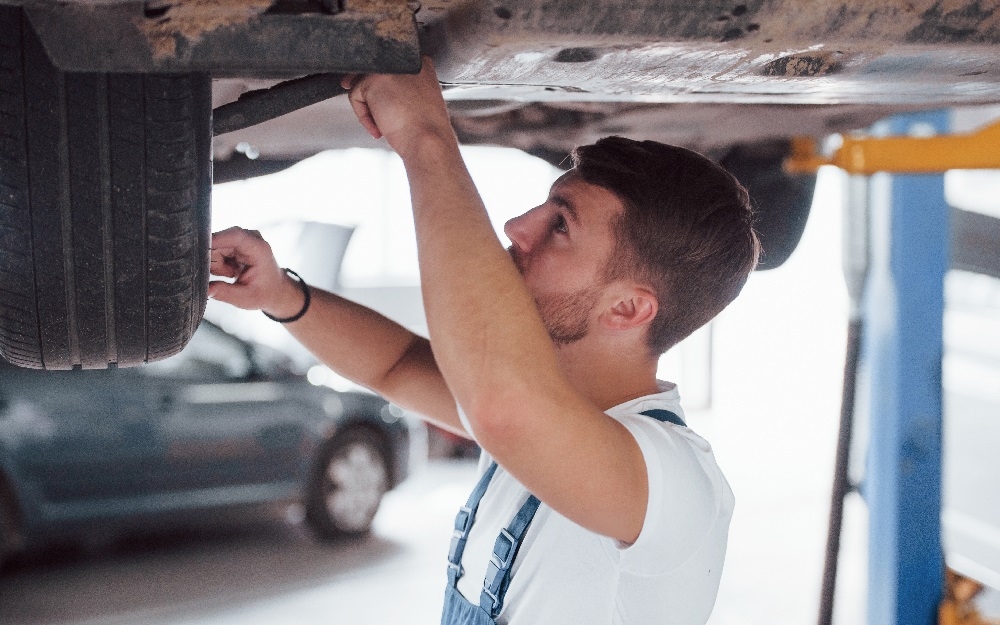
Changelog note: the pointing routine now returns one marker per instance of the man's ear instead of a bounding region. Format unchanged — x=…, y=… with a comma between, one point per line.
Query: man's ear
x=631, y=307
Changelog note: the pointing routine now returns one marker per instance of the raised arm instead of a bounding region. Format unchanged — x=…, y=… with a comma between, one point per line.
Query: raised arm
x=355, y=341
x=488, y=337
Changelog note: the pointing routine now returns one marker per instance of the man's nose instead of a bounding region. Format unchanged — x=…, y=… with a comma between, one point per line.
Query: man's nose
x=519, y=230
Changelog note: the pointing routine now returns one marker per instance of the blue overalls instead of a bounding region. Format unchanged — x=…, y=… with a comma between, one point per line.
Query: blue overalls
x=457, y=609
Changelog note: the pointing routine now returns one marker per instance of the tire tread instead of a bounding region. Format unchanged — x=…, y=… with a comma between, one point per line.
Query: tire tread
x=105, y=183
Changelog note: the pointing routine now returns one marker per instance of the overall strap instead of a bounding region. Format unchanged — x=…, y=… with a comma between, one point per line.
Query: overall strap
x=504, y=551
x=463, y=523
x=664, y=415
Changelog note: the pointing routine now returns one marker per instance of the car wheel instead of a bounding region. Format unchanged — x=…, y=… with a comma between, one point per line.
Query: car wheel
x=347, y=488
x=105, y=185
x=781, y=201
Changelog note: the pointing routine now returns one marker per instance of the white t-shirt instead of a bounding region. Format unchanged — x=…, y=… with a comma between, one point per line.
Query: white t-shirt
x=567, y=574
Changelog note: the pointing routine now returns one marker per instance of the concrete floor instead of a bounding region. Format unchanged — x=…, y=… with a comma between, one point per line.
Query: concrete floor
x=274, y=573
x=269, y=573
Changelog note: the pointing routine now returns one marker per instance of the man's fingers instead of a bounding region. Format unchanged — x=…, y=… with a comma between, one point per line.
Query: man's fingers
x=247, y=261
x=222, y=291
x=357, y=99
x=347, y=80
x=229, y=293
x=235, y=248
x=228, y=263
x=224, y=263
x=237, y=237
x=365, y=117
x=234, y=294
x=230, y=237
x=213, y=288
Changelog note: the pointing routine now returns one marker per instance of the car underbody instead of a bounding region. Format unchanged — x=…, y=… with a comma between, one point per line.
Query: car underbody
x=736, y=80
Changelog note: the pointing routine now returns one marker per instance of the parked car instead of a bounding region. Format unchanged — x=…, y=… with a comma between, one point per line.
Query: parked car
x=223, y=427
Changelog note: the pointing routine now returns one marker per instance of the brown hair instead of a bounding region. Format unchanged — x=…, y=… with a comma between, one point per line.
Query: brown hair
x=686, y=231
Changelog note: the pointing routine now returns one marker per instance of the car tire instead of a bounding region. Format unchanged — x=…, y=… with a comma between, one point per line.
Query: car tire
x=781, y=201
x=105, y=186
x=347, y=487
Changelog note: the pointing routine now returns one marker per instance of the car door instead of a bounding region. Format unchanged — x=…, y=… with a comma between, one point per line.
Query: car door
x=231, y=434
x=79, y=449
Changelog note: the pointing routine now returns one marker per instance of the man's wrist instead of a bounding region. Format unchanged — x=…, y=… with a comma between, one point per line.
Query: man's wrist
x=417, y=143
x=290, y=301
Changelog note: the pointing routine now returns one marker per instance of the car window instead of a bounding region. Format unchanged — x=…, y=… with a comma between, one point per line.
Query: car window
x=211, y=354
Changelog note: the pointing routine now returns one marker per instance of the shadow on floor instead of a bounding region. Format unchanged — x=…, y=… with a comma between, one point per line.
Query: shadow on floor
x=180, y=572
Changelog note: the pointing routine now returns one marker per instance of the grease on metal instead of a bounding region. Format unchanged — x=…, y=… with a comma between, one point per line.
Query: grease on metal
x=168, y=23
x=393, y=18
x=956, y=21
x=191, y=19
x=576, y=55
x=803, y=65
x=877, y=25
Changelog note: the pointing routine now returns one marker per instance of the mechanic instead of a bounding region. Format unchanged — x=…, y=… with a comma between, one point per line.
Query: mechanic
x=596, y=504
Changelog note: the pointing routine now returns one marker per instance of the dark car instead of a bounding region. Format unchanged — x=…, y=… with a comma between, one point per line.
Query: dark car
x=225, y=426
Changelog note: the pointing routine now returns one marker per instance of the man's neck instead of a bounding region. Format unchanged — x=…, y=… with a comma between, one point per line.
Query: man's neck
x=608, y=376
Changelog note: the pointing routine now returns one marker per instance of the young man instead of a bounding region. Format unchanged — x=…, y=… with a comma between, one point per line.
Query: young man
x=546, y=355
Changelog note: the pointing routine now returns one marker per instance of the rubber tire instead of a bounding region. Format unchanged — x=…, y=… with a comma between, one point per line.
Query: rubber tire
x=105, y=187
x=781, y=201
x=324, y=523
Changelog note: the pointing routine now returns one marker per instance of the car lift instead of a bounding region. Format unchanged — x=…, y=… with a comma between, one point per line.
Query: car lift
x=896, y=255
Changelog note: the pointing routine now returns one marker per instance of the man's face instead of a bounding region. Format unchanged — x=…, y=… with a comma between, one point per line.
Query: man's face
x=561, y=249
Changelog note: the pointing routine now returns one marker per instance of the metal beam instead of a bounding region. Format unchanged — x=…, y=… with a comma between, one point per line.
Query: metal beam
x=975, y=239
x=255, y=107
x=227, y=38
x=905, y=154
x=903, y=346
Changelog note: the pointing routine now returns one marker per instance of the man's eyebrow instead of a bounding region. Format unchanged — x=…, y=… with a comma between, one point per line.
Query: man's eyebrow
x=563, y=202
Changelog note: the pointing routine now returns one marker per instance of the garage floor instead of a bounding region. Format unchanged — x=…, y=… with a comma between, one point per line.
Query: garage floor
x=272, y=573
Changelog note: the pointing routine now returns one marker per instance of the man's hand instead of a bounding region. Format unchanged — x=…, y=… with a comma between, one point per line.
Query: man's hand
x=259, y=283
x=401, y=108
x=354, y=341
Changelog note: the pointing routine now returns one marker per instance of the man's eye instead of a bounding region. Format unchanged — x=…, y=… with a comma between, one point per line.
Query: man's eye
x=559, y=224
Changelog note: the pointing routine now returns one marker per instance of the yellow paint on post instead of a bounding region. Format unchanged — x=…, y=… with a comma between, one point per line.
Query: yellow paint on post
x=902, y=155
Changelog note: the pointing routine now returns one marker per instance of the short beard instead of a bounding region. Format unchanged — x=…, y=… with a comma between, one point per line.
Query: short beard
x=567, y=317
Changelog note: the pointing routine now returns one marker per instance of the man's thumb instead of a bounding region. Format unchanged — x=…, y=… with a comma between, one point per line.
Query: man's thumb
x=228, y=293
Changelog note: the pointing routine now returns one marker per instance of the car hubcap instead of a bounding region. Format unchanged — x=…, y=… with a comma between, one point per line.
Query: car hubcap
x=357, y=480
